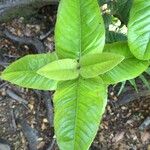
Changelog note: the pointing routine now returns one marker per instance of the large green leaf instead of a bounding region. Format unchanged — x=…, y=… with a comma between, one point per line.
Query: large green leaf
x=23, y=72
x=79, y=105
x=65, y=69
x=93, y=65
x=139, y=29
x=79, y=28
x=129, y=68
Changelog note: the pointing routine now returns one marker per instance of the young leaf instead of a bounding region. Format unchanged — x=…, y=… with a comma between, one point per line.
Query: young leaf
x=79, y=105
x=145, y=81
x=133, y=83
x=23, y=72
x=79, y=28
x=148, y=71
x=129, y=68
x=93, y=65
x=139, y=29
x=65, y=69
x=121, y=88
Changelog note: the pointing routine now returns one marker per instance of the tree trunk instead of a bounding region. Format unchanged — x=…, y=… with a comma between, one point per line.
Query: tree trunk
x=17, y=8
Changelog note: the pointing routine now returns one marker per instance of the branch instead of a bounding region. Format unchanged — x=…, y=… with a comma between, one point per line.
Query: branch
x=145, y=124
x=49, y=108
x=32, y=42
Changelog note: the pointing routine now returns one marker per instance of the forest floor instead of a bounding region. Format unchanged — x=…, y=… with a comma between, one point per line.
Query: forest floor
x=24, y=123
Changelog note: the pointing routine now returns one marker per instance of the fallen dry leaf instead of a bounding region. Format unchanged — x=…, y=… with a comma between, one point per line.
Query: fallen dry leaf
x=119, y=136
x=145, y=136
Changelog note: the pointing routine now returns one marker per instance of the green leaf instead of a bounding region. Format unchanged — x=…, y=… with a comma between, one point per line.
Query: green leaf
x=112, y=36
x=145, y=81
x=139, y=29
x=129, y=68
x=121, y=88
x=107, y=20
x=79, y=105
x=93, y=65
x=79, y=28
x=23, y=72
x=65, y=69
x=133, y=83
x=119, y=48
x=118, y=8
x=121, y=10
x=148, y=71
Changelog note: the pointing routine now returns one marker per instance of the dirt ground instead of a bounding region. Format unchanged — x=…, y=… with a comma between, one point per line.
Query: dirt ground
x=23, y=112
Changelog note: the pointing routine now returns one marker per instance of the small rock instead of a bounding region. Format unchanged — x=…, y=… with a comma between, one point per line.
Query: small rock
x=4, y=146
x=130, y=122
x=124, y=108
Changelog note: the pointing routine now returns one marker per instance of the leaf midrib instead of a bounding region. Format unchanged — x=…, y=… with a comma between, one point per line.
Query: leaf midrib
x=76, y=114
x=80, y=28
x=80, y=51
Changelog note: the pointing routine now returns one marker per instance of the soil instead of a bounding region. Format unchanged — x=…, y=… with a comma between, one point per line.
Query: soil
x=119, y=129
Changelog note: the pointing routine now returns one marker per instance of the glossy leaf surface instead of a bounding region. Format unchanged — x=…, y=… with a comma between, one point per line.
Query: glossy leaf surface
x=93, y=65
x=79, y=105
x=79, y=28
x=139, y=29
x=23, y=72
x=65, y=69
x=129, y=68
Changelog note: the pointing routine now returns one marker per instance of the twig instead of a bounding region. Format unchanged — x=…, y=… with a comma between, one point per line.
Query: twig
x=4, y=64
x=126, y=98
x=33, y=42
x=10, y=56
x=51, y=145
x=44, y=36
x=49, y=107
x=46, y=96
x=31, y=134
x=13, y=119
x=3, y=84
x=16, y=97
x=145, y=124
x=3, y=61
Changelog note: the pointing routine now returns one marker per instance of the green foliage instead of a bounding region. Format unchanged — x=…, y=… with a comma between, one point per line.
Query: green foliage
x=145, y=81
x=119, y=8
x=134, y=84
x=112, y=37
x=65, y=69
x=79, y=37
x=81, y=26
x=139, y=29
x=23, y=72
x=79, y=105
x=93, y=65
x=129, y=68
